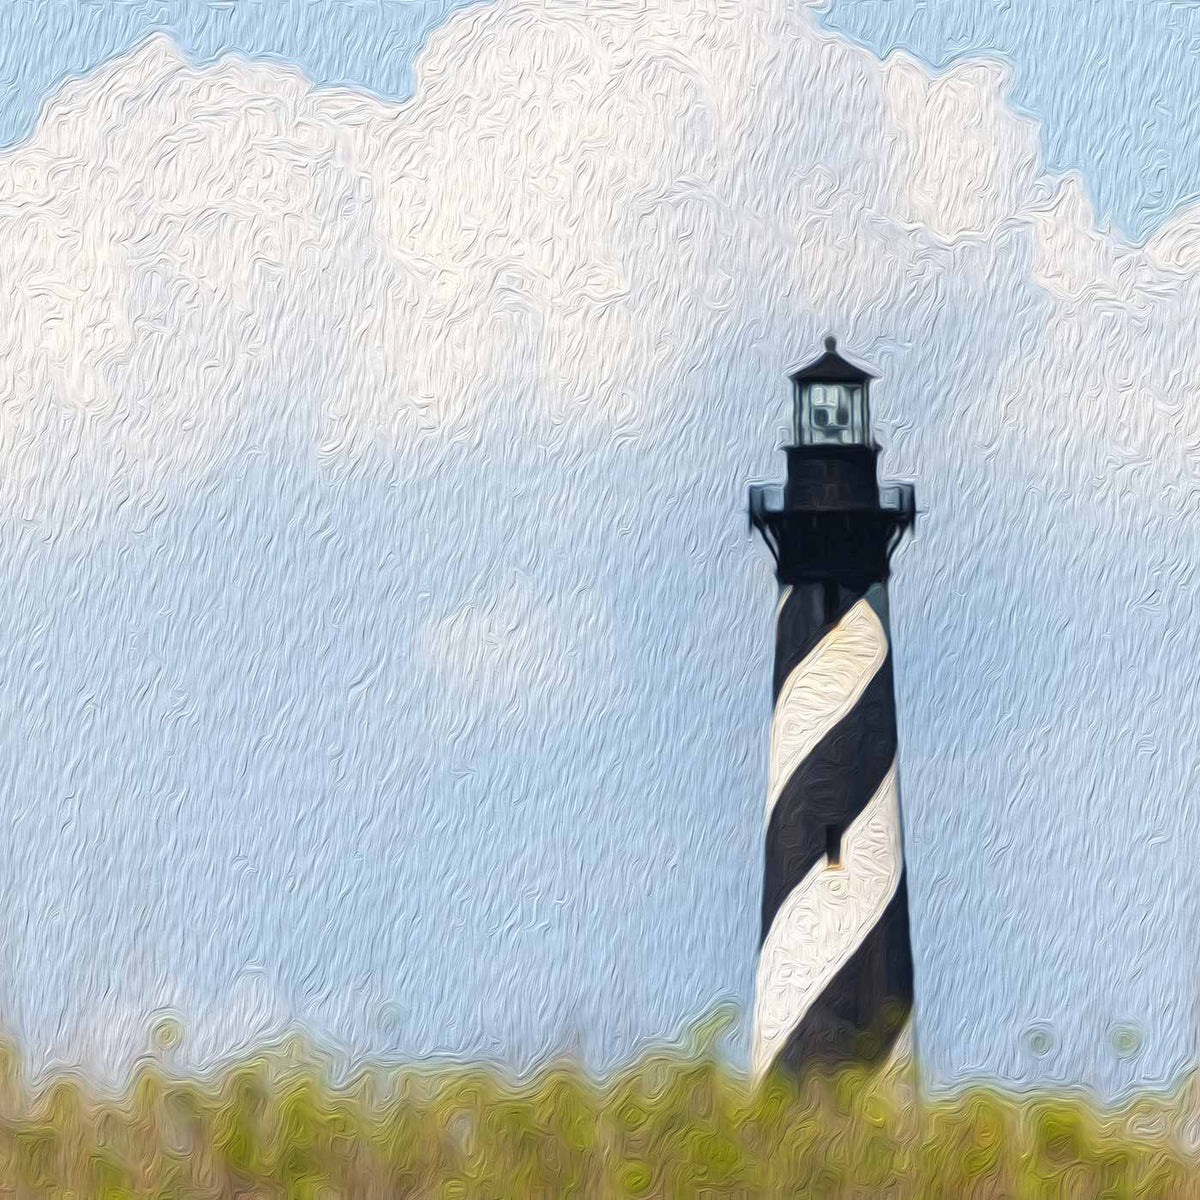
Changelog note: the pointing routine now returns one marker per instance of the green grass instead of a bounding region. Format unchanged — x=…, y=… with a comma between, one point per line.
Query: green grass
x=672, y=1125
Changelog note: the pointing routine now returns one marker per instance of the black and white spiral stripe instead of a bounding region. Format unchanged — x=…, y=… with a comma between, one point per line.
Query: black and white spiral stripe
x=834, y=977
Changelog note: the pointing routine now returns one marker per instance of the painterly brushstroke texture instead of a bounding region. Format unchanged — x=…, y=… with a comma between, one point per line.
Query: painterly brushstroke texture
x=671, y=1125
x=384, y=649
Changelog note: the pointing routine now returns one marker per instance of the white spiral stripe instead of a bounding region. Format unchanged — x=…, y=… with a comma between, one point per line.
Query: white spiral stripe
x=823, y=921
x=821, y=690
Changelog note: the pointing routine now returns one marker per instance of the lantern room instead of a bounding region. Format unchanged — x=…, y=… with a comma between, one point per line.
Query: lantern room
x=831, y=407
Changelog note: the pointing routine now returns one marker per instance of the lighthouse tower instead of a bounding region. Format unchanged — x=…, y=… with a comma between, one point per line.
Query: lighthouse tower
x=834, y=981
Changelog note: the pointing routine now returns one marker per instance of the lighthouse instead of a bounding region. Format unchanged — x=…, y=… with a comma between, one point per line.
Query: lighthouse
x=834, y=976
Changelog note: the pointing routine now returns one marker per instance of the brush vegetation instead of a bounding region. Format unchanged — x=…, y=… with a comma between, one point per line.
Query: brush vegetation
x=678, y=1124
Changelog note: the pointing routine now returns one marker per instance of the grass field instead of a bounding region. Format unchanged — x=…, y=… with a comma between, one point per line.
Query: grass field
x=671, y=1125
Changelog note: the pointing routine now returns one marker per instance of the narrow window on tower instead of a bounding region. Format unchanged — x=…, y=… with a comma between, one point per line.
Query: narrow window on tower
x=833, y=845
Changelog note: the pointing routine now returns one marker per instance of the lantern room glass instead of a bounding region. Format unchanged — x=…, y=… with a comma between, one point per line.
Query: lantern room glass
x=831, y=414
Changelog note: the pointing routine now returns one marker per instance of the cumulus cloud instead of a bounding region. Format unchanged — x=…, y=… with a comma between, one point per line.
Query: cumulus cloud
x=517, y=652
x=158, y=1025
x=575, y=204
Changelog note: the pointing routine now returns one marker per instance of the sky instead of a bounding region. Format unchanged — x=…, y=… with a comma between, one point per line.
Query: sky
x=386, y=649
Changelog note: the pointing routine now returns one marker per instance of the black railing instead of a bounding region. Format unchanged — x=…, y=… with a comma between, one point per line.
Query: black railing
x=899, y=498
x=852, y=542
x=761, y=495
x=768, y=499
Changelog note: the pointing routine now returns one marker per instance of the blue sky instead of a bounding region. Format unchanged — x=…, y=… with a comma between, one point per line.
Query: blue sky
x=458, y=746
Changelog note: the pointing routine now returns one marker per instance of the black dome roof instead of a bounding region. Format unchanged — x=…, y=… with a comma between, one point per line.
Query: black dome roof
x=831, y=367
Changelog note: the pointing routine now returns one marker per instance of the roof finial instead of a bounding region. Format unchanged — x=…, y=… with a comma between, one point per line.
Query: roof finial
x=831, y=344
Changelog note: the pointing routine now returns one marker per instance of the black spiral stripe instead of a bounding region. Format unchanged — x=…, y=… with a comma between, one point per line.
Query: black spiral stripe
x=835, y=966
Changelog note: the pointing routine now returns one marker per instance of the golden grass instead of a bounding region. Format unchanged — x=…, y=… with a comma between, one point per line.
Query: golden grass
x=672, y=1125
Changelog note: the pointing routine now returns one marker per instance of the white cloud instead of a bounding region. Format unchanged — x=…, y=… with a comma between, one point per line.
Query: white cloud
x=967, y=164
x=518, y=650
x=160, y=1025
x=575, y=201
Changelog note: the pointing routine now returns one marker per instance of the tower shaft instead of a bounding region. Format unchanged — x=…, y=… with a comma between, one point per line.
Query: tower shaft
x=835, y=978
